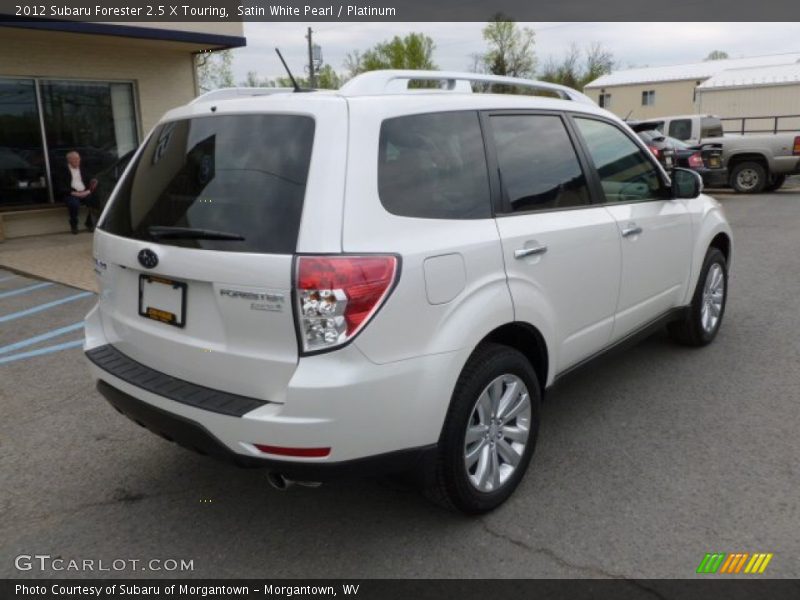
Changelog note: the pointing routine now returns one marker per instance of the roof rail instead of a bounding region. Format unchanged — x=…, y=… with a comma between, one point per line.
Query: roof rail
x=240, y=92
x=376, y=83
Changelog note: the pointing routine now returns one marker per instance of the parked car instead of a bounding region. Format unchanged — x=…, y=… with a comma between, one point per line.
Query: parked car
x=657, y=143
x=755, y=162
x=269, y=299
x=705, y=159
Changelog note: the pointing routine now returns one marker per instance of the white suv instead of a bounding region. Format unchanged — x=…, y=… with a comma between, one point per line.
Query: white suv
x=388, y=278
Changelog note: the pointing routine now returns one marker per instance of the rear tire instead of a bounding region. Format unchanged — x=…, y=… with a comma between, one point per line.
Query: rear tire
x=703, y=319
x=748, y=178
x=489, y=433
x=775, y=183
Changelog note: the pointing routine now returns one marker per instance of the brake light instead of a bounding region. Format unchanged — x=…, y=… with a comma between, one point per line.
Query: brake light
x=337, y=296
x=696, y=161
x=796, y=149
x=654, y=150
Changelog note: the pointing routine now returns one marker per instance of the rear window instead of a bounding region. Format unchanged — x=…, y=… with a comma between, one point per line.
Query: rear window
x=243, y=175
x=433, y=166
x=680, y=129
x=710, y=127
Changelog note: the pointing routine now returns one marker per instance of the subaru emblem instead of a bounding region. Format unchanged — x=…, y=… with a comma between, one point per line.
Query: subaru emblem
x=147, y=258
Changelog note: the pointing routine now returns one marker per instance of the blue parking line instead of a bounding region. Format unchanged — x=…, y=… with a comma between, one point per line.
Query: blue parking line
x=24, y=290
x=41, y=307
x=40, y=351
x=40, y=338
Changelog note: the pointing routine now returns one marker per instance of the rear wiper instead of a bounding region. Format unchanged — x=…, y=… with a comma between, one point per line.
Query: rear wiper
x=191, y=233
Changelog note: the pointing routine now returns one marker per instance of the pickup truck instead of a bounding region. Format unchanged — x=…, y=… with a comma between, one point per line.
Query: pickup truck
x=755, y=162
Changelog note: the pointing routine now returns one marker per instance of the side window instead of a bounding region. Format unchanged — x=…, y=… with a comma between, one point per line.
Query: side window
x=649, y=98
x=433, y=166
x=539, y=168
x=626, y=173
x=680, y=129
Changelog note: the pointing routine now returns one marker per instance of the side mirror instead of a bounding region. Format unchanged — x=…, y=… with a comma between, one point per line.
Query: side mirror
x=686, y=183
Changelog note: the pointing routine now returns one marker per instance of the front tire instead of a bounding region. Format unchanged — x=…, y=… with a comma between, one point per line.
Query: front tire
x=704, y=316
x=748, y=178
x=489, y=433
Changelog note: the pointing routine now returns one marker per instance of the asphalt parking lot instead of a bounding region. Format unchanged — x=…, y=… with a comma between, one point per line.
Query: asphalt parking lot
x=645, y=462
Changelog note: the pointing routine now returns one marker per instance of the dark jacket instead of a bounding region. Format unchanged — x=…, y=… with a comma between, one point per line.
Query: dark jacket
x=62, y=181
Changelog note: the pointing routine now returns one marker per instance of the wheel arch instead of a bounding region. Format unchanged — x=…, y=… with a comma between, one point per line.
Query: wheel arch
x=722, y=242
x=528, y=340
x=748, y=157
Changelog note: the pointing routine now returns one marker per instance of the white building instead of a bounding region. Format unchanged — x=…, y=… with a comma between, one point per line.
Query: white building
x=759, y=86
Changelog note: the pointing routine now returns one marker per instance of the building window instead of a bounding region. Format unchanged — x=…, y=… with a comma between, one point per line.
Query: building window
x=605, y=101
x=94, y=118
x=23, y=175
x=649, y=98
x=98, y=119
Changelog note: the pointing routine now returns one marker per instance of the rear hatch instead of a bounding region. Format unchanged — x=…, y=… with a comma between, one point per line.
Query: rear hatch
x=196, y=251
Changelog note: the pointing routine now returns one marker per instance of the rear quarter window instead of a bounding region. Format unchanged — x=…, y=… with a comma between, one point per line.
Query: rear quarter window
x=238, y=174
x=433, y=166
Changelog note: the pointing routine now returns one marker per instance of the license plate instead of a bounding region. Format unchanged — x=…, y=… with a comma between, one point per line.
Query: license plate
x=162, y=300
x=713, y=162
x=668, y=160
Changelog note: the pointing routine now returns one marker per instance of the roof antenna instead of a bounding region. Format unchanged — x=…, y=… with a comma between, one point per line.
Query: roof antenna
x=285, y=66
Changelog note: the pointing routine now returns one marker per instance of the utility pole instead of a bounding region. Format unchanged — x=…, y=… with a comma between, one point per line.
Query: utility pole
x=312, y=80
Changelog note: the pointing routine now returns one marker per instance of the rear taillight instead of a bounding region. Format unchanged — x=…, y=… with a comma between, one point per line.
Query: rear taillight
x=796, y=148
x=337, y=295
x=696, y=161
x=654, y=150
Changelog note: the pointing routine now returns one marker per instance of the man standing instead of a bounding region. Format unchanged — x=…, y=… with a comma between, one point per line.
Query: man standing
x=75, y=188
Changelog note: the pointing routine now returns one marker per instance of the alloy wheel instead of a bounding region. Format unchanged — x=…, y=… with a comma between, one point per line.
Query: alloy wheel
x=497, y=433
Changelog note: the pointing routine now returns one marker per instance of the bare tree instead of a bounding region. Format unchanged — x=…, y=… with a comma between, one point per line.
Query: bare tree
x=578, y=68
x=214, y=70
x=717, y=55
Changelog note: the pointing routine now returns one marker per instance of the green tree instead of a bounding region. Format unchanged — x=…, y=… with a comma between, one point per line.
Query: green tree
x=510, y=49
x=717, y=55
x=327, y=79
x=414, y=51
x=214, y=70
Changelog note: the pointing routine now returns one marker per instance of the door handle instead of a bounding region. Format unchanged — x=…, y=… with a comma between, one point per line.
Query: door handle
x=523, y=252
x=631, y=229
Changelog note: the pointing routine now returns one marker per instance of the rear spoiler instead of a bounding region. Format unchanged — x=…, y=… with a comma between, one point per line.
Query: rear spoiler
x=638, y=126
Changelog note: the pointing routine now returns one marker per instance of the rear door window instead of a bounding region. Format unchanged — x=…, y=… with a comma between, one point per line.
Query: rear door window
x=243, y=175
x=539, y=168
x=433, y=166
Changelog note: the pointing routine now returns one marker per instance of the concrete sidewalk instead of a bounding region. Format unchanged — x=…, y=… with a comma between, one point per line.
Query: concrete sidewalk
x=60, y=257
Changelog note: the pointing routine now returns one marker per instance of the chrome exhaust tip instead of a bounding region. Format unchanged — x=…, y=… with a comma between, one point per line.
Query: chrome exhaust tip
x=279, y=482
x=282, y=483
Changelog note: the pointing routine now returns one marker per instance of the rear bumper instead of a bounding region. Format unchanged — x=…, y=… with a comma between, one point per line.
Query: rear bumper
x=363, y=411
x=194, y=436
x=714, y=177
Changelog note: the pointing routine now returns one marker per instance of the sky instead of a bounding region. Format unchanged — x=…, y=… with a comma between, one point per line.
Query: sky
x=633, y=44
